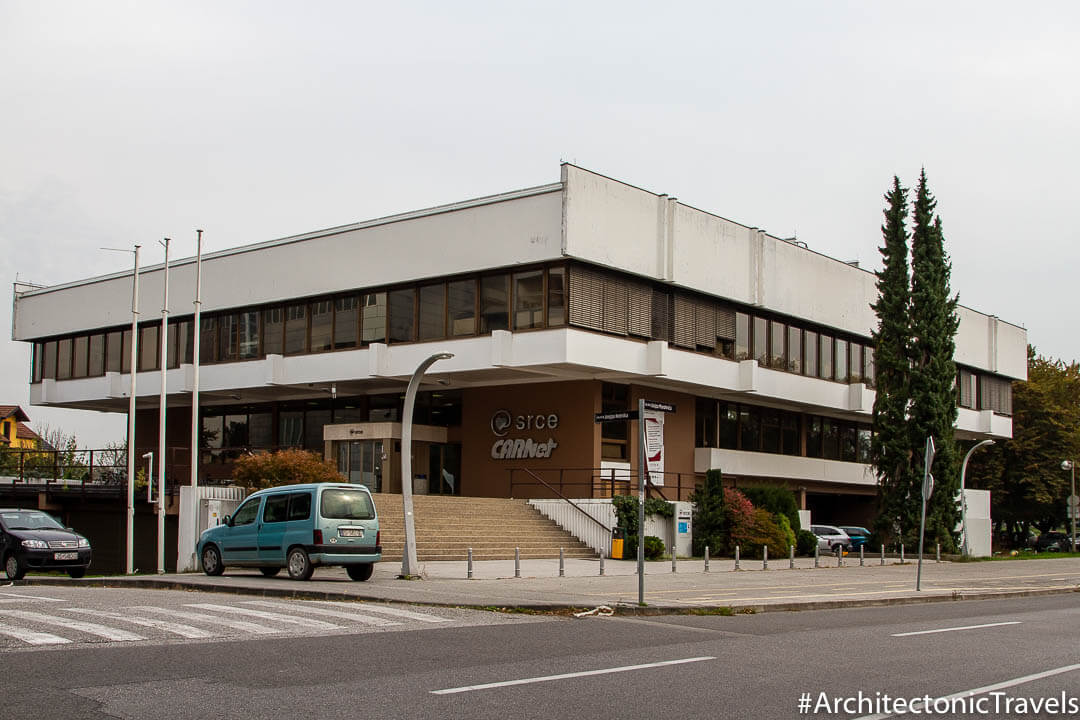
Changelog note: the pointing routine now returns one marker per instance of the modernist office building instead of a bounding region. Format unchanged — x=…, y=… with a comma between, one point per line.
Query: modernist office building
x=558, y=302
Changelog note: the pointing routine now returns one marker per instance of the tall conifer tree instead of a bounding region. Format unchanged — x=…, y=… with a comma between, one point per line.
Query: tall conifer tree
x=891, y=446
x=933, y=372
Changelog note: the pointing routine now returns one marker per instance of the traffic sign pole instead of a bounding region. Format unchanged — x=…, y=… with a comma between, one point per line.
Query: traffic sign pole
x=641, y=506
x=927, y=491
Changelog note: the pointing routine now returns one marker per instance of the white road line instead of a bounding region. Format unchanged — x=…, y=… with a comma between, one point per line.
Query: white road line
x=564, y=676
x=250, y=627
x=104, y=631
x=276, y=617
x=175, y=628
x=953, y=629
x=28, y=597
x=384, y=610
x=32, y=637
x=306, y=608
x=915, y=706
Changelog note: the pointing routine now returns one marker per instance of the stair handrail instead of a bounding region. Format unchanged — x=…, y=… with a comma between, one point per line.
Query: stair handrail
x=568, y=500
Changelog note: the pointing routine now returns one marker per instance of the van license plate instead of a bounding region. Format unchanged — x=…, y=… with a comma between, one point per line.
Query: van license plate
x=351, y=532
x=65, y=556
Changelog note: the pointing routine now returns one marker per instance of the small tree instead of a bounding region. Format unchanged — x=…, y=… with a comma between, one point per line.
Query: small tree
x=709, y=525
x=284, y=467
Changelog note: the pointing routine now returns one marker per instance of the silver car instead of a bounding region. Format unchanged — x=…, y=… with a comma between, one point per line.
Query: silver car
x=830, y=538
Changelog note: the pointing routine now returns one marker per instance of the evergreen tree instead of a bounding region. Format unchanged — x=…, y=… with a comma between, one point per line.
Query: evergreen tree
x=933, y=373
x=891, y=449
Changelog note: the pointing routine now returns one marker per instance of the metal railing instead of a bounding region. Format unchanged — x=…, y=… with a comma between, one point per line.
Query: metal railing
x=541, y=483
x=565, y=499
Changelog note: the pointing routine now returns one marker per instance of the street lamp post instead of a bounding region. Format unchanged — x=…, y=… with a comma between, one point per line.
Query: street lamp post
x=130, y=560
x=408, y=555
x=1071, y=467
x=963, y=497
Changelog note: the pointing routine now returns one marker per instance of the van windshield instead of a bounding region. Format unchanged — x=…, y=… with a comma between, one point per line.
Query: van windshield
x=340, y=504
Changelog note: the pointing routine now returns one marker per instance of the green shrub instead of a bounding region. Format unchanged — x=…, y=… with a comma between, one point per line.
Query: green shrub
x=626, y=517
x=805, y=542
x=768, y=531
x=777, y=500
x=654, y=547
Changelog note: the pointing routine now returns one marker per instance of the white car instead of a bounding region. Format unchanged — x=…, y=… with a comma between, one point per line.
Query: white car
x=830, y=537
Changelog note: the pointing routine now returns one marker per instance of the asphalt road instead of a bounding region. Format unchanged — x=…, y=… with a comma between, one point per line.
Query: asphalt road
x=487, y=665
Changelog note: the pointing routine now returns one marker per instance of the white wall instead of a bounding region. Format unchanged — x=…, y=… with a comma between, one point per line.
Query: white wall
x=618, y=225
x=470, y=236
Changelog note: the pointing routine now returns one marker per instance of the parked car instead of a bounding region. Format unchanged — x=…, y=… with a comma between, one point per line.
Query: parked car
x=34, y=540
x=831, y=537
x=297, y=527
x=1053, y=542
x=860, y=536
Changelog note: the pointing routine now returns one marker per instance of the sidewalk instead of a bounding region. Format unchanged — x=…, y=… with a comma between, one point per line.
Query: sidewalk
x=690, y=589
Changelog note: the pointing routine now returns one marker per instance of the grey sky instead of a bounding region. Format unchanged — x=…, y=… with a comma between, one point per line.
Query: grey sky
x=128, y=122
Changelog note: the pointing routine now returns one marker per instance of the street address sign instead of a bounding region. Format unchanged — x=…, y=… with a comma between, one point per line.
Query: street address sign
x=660, y=406
x=615, y=416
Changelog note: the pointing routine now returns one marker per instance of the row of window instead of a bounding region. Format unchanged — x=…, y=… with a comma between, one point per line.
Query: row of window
x=612, y=303
x=457, y=308
x=578, y=295
x=735, y=426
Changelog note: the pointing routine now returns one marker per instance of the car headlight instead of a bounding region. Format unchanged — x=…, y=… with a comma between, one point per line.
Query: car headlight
x=35, y=544
x=84, y=543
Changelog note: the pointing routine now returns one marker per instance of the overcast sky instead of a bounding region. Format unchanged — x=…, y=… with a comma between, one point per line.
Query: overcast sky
x=125, y=122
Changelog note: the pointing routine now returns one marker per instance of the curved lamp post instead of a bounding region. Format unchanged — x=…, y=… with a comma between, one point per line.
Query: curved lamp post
x=408, y=555
x=963, y=497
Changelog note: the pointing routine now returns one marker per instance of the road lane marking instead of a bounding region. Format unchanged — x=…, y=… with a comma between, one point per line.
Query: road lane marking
x=244, y=625
x=32, y=637
x=305, y=608
x=565, y=676
x=953, y=629
x=180, y=629
x=386, y=611
x=263, y=615
x=981, y=690
x=109, y=633
x=28, y=597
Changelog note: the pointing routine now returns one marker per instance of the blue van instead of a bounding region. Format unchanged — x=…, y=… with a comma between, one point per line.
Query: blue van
x=297, y=527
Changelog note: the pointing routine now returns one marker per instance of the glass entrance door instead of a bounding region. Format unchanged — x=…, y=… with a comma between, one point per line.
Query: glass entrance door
x=361, y=462
x=444, y=469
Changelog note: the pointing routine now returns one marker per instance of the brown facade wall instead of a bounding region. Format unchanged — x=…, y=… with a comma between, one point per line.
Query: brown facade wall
x=578, y=438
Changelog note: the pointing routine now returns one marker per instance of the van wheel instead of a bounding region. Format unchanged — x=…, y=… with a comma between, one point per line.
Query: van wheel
x=211, y=561
x=360, y=572
x=269, y=571
x=300, y=567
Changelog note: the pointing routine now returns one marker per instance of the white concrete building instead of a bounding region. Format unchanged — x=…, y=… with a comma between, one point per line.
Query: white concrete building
x=557, y=301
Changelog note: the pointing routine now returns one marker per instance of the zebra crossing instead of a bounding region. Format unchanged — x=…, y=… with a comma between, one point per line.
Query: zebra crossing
x=51, y=621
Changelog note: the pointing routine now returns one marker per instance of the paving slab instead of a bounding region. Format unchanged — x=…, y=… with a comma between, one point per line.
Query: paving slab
x=691, y=588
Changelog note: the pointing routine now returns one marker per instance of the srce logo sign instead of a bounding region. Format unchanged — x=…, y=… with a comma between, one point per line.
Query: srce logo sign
x=501, y=422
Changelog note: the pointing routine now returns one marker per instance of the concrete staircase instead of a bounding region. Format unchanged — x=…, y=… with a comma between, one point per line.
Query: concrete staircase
x=446, y=527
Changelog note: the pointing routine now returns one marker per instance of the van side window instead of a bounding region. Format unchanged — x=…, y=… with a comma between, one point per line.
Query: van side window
x=276, y=508
x=245, y=515
x=300, y=506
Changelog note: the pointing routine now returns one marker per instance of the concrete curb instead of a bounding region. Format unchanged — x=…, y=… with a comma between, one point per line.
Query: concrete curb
x=558, y=607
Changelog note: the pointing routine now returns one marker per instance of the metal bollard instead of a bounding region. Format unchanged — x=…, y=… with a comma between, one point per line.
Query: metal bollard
x=601, y=564
x=562, y=563
x=706, y=558
x=862, y=555
x=817, y=556
x=939, y=552
x=791, y=557
x=764, y=557
x=901, y=553
x=517, y=562
x=468, y=574
x=736, y=557
x=673, y=560
x=839, y=556
x=882, y=553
